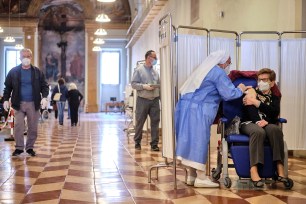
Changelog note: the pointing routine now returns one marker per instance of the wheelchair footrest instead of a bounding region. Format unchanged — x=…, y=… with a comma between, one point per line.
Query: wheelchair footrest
x=241, y=159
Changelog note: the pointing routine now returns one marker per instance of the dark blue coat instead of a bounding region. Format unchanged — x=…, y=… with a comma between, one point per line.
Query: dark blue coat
x=12, y=86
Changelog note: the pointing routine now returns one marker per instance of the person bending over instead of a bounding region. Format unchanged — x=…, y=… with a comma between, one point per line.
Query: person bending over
x=196, y=110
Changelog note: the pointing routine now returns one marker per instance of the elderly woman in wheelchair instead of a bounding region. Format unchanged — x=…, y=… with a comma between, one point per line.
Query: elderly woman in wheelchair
x=259, y=121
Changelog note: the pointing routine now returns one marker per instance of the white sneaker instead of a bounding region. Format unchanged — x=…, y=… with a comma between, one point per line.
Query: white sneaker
x=206, y=183
x=190, y=180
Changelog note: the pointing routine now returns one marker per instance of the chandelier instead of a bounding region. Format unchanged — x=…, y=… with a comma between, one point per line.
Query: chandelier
x=96, y=49
x=106, y=1
x=9, y=38
x=99, y=41
x=103, y=18
x=101, y=31
x=19, y=46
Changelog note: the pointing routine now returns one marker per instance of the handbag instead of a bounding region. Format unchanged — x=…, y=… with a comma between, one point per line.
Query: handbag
x=57, y=96
x=233, y=127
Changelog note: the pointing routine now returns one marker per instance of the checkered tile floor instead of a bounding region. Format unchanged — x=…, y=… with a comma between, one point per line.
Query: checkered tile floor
x=94, y=163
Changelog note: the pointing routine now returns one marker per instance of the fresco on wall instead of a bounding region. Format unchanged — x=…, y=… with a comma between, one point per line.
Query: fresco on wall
x=62, y=40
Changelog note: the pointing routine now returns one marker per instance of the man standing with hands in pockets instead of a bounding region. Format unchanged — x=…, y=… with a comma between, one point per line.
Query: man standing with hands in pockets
x=146, y=81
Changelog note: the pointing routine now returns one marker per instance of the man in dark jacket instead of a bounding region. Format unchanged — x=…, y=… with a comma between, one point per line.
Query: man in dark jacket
x=25, y=84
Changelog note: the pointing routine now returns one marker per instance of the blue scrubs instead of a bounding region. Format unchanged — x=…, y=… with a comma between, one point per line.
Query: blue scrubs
x=195, y=113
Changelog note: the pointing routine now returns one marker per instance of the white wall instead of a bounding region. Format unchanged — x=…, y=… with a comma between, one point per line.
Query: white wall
x=239, y=15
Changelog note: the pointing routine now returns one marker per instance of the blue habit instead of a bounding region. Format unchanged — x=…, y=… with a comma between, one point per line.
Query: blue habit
x=195, y=113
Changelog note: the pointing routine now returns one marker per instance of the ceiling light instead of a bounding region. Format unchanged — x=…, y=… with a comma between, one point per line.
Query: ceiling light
x=103, y=18
x=101, y=31
x=9, y=39
x=106, y=1
x=19, y=46
x=1, y=29
x=99, y=41
x=97, y=49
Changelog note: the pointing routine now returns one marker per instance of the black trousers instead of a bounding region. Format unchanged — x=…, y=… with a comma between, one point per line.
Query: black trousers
x=74, y=117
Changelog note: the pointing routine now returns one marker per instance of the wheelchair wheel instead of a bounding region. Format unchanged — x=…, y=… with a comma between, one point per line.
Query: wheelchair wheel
x=227, y=182
x=288, y=184
x=215, y=174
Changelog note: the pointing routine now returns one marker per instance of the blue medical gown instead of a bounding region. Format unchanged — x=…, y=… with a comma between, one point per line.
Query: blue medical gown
x=195, y=113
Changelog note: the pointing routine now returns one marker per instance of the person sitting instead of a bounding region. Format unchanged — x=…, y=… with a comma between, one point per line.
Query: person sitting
x=259, y=120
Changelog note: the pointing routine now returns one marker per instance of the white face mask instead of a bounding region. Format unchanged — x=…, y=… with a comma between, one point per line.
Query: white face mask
x=227, y=70
x=263, y=86
x=26, y=61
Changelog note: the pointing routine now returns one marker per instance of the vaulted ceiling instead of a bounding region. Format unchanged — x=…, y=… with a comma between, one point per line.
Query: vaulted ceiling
x=50, y=13
x=119, y=11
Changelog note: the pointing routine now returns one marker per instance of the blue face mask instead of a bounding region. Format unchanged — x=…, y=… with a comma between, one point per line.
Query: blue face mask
x=154, y=62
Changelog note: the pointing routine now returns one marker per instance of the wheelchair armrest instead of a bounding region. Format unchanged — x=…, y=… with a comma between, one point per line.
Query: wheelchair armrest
x=223, y=120
x=282, y=120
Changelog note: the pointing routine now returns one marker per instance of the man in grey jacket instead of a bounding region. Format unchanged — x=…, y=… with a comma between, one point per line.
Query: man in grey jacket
x=25, y=84
x=146, y=81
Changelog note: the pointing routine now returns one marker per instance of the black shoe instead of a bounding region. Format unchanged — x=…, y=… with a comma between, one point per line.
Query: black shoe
x=258, y=184
x=17, y=152
x=155, y=148
x=31, y=152
x=137, y=146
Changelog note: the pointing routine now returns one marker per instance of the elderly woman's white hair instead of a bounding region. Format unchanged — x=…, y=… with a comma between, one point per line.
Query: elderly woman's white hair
x=72, y=86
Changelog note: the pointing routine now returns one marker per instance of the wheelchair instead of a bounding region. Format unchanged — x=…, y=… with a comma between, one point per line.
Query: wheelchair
x=235, y=146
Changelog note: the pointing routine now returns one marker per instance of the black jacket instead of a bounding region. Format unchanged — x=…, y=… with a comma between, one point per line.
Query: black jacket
x=12, y=86
x=269, y=109
x=74, y=97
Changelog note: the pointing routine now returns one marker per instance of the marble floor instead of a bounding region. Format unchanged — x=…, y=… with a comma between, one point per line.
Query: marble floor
x=94, y=163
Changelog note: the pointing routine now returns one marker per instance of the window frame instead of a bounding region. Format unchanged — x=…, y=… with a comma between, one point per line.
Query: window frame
x=102, y=72
x=6, y=57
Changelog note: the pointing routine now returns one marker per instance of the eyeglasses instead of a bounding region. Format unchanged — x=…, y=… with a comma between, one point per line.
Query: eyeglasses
x=264, y=79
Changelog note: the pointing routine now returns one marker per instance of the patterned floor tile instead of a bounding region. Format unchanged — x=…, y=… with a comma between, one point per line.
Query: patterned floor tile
x=52, y=186
x=195, y=199
x=94, y=163
x=50, y=174
x=41, y=196
x=78, y=196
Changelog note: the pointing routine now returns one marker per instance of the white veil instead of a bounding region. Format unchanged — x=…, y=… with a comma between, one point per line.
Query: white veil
x=194, y=81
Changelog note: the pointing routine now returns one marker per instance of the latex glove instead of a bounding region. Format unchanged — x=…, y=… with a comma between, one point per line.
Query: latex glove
x=6, y=105
x=44, y=103
x=147, y=87
x=243, y=88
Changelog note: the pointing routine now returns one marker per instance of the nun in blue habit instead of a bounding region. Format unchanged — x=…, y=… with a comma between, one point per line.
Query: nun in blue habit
x=196, y=110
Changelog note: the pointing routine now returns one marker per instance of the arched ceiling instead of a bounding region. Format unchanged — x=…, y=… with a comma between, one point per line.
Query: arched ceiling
x=119, y=11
